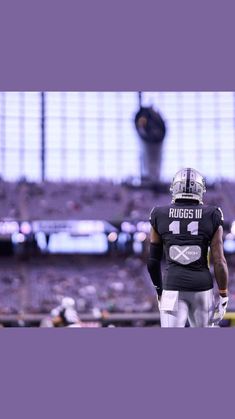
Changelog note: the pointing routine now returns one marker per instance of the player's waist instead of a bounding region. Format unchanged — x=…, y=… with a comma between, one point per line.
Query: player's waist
x=184, y=279
x=197, y=266
x=191, y=287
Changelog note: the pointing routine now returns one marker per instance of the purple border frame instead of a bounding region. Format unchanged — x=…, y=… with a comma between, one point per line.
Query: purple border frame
x=106, y=45
x=123, y=45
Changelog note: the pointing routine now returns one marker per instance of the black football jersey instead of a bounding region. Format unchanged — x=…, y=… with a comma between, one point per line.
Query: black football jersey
x=186, y=230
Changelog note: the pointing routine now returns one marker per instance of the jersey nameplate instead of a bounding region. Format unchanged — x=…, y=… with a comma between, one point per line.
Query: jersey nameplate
x=185, y=213
x=185, y=254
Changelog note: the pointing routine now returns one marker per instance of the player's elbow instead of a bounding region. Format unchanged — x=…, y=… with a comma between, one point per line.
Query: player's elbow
x=153, y=265
x=154, y=269
x=221, y=269
x=220, y=262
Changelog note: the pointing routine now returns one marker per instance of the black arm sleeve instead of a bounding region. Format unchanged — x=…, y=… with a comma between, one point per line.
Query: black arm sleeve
x=154, y=266
x=153, y=218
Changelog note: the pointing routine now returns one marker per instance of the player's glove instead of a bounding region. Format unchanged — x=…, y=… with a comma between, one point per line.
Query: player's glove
x=220, y=310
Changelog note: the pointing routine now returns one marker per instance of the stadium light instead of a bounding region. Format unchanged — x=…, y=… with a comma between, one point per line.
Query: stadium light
x=8, y=227
x=143, y=226
x=140, y=236
x=17, y=238
x=25, y=228
x=127, y=227
x=112, y=237
x=229, y=243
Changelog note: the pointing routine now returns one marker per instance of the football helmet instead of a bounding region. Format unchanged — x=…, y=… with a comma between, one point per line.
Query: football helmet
x=188, y=184
x=67, y=302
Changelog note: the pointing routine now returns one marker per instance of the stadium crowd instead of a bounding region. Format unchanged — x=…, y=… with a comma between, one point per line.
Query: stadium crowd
x=96, y=200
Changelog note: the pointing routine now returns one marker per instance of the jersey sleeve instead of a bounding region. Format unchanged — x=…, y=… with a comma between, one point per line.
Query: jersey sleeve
x=217, y=218
x=153, y=219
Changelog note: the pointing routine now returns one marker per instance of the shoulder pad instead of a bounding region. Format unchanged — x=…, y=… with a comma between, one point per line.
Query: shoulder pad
x=221, y=213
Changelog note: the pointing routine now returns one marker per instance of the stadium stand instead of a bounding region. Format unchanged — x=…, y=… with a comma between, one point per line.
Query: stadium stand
x=96, y=200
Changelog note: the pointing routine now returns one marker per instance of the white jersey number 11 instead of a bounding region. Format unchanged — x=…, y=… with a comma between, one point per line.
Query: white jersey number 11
x=192, y=227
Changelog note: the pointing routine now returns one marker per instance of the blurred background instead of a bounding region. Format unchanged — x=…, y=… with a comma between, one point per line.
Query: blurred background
x=80, y=173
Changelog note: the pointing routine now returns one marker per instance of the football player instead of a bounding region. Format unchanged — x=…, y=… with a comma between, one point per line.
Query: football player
x=65, y=314
x=184, y=231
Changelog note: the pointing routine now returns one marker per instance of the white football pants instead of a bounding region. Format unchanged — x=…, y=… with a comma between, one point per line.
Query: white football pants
x=196, y=307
